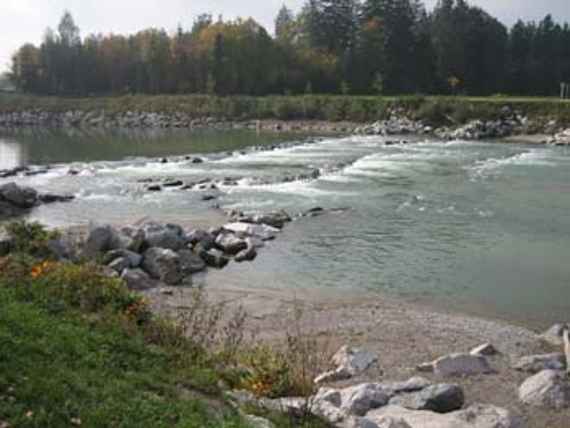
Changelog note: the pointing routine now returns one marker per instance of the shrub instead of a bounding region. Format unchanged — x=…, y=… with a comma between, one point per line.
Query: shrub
x=31, y=238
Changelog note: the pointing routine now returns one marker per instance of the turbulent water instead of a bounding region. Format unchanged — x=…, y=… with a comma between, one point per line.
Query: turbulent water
x=484, y=226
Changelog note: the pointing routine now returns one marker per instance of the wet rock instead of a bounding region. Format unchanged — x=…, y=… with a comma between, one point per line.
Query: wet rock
x=208, y=197
x=164, y=265
x=475, y=416
x=190, y=262
x=197, y=160
x=173, y=183
x=230, y=244
x=154, y=188
x=214, y=258
x=276, y=219
x=461, y=365
x=537, y=363
x=50, y=198
x=553, y=335
x=7, y=173
x=20, y=197
x=442, y=398
x=548, y=389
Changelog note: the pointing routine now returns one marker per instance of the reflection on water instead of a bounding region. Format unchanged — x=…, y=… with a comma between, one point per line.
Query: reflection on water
x=12, y=154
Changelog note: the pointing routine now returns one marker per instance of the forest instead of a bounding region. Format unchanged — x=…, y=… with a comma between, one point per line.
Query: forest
x=381, y=47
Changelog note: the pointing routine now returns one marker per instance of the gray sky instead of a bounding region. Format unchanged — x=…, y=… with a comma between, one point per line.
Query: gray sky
x=26, y=20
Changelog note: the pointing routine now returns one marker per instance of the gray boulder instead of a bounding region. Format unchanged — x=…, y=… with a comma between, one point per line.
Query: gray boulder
x=538, y=363
x=214, y=258
x=348, y=362
x=276, y=219
x=163, y=264
x=230, y=244
x=132, y=239
x=21, y=197
x=202, y=237
x=190, y=262
x=120, y=264
x=134, y=259
x=101, y=239
x=247, y=255
x=548, y=389
x=137, y=279
x=168, y=236
x=244, y=230
x=359, y=400
x=442, y=398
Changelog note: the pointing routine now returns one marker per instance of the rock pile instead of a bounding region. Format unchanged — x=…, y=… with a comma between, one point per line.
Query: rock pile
x=16, y=200
x=394, y=126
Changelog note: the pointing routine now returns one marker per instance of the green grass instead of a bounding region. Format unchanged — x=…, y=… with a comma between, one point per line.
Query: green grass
x=57, y=369
x=309, y=107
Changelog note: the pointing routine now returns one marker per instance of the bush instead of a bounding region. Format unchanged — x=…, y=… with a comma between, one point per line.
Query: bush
x=31, y=238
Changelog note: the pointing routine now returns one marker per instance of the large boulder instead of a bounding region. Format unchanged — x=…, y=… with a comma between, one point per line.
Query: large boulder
x=101, y=239
x=538, y=363
x=475, y=416
x=442, y=398
x=202, y=237
x=21, y=197
x=548, y=389
x=247, y=255
x=230, y=244
x=214, y=258
x=190, y=262
x=163, y=264
x=134, y=260
x=167, y=236
x=137, y=279
x=359, y=400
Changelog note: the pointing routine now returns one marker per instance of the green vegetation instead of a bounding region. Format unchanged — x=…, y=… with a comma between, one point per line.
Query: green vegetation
x=329, y=46
x=434, y=110
x=80, y=349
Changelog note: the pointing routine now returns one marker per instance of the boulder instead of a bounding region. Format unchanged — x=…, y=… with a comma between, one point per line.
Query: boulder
x=101, y=239
x=442, y=398
x=60, y=249
x=51, y=198
x=359, y=400
x=132, y=239
x=554, y=334
x=348, y=362
x=257, y=422
x=461, y=365
x=230, y=244
x=190, y=262
x=276, y=219
x=168, y=236
x=163, y=264
x=202, y=237
x=133, y=258
x=214, y=258
x=247, y=255
x=120, y=264
x=548, y=389
x=20, y=197
x=538, y=363
x=475, y=416
x=411, y=385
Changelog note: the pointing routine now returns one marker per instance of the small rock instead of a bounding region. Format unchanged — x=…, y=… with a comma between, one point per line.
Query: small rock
x=174, y=183
x=549, y=389
x=207, y=198
x=230, y=244
x=214, y=258
x=247, y=255
x=154, y=188
x=257, y=422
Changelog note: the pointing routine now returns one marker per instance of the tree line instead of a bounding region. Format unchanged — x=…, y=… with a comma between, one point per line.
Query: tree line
x=329, y=46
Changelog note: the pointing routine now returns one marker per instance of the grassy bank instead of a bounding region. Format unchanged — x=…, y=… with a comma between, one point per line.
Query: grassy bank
x=434, y=110
x=79, y=349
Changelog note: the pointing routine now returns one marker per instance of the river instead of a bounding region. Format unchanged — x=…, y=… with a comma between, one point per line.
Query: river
x=478, y=226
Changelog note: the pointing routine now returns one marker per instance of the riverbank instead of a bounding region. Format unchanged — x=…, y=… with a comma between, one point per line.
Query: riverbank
x=308, y=113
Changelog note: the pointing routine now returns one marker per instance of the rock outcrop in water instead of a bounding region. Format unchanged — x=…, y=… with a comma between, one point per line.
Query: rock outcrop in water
x=17, y=200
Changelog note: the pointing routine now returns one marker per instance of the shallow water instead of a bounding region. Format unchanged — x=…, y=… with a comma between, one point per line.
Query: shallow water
x=483, y=226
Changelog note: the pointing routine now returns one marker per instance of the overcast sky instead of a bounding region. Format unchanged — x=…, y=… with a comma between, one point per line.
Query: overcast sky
x=26, y=20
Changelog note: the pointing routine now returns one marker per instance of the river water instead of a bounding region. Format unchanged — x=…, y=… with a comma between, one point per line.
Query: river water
x=482, y=227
